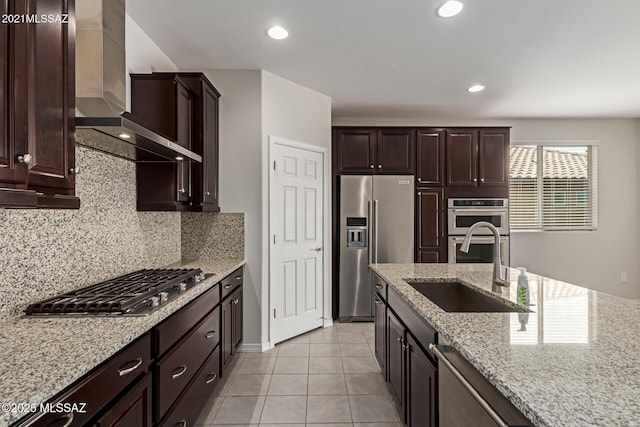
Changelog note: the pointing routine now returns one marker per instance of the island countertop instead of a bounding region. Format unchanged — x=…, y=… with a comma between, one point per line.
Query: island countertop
x=572, y=361
x=39, y=357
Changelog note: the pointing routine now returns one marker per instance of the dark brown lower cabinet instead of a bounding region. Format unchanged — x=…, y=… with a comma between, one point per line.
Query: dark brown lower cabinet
x=396, y=335
x=380, y=322
x=231, y=310
x=133, y=409
x=190, y=404
x=421, y=387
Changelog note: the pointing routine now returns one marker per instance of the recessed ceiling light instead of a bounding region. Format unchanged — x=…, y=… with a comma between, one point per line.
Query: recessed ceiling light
x=450, y=8
x=278, y=33
x=124, y=135
x=475, y=88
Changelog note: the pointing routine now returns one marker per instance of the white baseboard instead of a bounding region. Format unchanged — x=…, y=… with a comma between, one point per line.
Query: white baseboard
x=253, y=347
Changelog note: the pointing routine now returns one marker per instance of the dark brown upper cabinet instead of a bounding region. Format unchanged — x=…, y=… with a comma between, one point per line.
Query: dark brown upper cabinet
x=37, y=153
x=493, y=157
x=430, y=157
x=355, y=149
x=477, y=157
x=375, y=150
x=205, y=141
x=183, y=107
x=395, y=151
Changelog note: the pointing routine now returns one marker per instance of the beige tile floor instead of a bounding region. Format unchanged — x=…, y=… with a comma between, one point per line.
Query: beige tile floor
x=327, y=377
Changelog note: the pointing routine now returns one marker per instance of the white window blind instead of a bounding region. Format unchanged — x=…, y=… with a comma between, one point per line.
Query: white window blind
x=553, y=187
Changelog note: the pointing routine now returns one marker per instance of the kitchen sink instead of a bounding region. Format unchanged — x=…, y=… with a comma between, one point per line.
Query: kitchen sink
x=456, y=297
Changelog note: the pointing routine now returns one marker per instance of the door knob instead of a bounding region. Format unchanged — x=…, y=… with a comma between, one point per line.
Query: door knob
x=318, y=249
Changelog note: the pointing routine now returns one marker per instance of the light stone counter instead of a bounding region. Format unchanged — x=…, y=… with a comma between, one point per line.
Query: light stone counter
x=573, y=361
x=39, y=357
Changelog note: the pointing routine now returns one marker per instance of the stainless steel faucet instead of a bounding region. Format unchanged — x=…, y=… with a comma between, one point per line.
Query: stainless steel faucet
x=498, y=280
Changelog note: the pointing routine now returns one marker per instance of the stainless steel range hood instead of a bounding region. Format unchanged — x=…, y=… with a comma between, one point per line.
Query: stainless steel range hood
x=101, y=119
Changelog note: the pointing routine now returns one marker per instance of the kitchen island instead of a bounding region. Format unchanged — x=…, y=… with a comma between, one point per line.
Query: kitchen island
x=39, y=357
x=571, y=361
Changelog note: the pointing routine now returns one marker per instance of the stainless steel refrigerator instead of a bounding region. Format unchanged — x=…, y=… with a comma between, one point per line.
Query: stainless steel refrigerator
x=376, y=226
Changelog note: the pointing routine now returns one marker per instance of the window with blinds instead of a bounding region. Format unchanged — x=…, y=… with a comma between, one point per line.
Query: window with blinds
x=553, y=187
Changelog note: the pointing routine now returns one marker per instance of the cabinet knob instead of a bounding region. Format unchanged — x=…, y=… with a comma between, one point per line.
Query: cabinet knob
x=379, y=166
x=371, y=166
x=419, y=180
x=182, y=190
x=481, y=179
x=25, y=159
x=74, y=171
x=475, y=179
x=207, y=193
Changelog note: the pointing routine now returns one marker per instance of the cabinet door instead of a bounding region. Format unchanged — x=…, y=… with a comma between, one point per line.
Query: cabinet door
x=395, y=151
x=210, y=146
x=380, y=320
x=237, y=317
x=493, y=157
x=462, y=158
x=422, y=387
x=131, y=410
x=396, y=362
x=429, y=217
x=184, y=119
x=355, y=150
x=44, y=95
x=429, y=157
x=227, y=331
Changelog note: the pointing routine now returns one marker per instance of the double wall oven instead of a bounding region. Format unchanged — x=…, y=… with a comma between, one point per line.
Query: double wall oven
x=462, y=214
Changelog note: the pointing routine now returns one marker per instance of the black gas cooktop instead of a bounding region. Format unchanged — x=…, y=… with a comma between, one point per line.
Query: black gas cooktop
x=134, y=294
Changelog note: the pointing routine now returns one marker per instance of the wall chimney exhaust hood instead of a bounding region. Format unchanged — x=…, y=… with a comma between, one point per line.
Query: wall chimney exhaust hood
x=101, y=89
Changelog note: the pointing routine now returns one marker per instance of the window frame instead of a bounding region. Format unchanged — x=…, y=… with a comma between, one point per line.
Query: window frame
x=593, y=145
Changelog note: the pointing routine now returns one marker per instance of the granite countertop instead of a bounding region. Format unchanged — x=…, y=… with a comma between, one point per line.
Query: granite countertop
x=39, y=357
x=572, y=361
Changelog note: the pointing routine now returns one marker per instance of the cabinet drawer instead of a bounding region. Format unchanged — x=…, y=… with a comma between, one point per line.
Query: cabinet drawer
x=97, y=389
x=423, y=333
x=381, y=288
x=176, y=369
x=171, y=330
x=196, y=396
x=131, y=410
x=230, y=282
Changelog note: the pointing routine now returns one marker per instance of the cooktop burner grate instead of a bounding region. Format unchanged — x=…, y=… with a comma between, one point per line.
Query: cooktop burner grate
x=133, y=294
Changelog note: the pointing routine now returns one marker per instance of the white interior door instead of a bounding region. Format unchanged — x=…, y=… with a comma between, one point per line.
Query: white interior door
x=297, y=252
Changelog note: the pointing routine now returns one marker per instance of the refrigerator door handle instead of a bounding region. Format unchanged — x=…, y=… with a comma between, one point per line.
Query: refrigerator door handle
x=375, y=231
x=370, y=237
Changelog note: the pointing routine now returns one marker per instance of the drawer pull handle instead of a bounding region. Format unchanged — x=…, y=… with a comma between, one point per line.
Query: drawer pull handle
x=181, y=423
x=238, y=277
x=136, y=365
x=379, y=286
x=228, y=286
x=178, y=371
x=211, y=378
x=68, y=417
x=210, y=335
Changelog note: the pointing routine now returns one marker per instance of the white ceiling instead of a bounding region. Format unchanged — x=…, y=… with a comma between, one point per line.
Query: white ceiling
x=396, y=58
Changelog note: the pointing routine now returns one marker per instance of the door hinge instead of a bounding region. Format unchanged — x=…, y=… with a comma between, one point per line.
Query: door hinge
x=274, y=313
x=274, y=165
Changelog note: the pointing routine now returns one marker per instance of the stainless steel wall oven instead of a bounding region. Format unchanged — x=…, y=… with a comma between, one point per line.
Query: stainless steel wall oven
x=462, y=214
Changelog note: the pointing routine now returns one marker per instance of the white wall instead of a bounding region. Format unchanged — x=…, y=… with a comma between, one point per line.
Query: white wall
x=297, y=113
x=142, y=54
x=594, y=259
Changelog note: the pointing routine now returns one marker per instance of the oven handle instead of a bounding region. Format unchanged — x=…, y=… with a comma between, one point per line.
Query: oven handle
x=482, y=211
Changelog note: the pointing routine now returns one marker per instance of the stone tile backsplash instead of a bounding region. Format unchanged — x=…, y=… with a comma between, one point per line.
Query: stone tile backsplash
x=46, y=252
x=212, y=235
